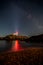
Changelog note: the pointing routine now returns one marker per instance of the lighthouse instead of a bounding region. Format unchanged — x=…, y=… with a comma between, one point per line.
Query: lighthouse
x=15, y=33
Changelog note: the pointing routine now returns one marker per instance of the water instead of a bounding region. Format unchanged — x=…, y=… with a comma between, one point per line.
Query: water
x=16, y=46
x=6, y=45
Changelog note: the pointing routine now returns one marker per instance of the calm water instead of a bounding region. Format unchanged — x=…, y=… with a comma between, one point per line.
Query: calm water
x=5, y=45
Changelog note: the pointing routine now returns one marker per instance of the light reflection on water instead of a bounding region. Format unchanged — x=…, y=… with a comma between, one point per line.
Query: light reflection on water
x=16, y=46
x=6, y=45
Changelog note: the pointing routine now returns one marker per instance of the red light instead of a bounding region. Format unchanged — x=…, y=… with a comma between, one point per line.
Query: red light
x=16, y=46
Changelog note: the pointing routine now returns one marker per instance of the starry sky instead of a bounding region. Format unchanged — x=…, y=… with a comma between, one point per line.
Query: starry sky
x=24, y=16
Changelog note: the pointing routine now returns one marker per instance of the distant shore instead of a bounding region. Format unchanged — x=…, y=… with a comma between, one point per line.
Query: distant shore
x=33, y=39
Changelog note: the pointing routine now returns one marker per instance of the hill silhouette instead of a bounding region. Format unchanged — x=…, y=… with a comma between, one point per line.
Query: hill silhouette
x=37, y=38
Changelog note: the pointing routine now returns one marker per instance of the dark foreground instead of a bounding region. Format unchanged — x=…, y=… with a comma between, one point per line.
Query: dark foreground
x=29, y=56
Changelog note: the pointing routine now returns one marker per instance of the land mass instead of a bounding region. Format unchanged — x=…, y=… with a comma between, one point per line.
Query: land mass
x=29, y=56
x=38, y=38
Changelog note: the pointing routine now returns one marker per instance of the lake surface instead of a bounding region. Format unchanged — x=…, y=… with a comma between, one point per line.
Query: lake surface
x=5, y=45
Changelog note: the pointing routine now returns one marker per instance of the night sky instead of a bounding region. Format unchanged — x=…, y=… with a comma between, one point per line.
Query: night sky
x=24, y=16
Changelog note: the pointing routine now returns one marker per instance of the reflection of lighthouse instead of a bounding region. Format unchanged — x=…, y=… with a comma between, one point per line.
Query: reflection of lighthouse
x=16, y=46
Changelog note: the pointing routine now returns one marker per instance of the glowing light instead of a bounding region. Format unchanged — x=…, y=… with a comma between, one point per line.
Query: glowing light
x=16, y=46
x=15, y=33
